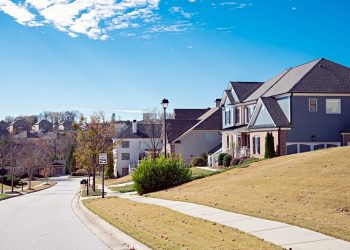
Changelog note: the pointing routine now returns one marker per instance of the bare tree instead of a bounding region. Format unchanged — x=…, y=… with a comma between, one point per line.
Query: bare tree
x=154, y=119
x=35, y=156
x=10, y=149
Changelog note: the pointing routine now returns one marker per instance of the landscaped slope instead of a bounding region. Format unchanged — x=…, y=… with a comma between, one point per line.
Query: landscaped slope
x=311, y=190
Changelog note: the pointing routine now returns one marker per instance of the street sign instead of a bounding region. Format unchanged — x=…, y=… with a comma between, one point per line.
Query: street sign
x=102, y=159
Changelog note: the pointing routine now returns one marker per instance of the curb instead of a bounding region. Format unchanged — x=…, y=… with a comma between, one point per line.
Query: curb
x=110, y=235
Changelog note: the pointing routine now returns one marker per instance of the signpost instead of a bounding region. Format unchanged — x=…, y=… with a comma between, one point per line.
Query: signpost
x=103, y=160
x=2, y=173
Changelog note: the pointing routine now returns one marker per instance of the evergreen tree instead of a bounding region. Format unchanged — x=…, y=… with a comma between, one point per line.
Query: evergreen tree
x=70, y=161
x=269, y=146
x=109, y=171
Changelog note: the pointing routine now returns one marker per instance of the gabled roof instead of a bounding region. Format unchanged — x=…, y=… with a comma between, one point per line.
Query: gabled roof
x=318, y=76
x=278, y=117
x=188, y=114
x=211, y=120
x=244, y=89
x=275, y=111
x=265, y=87
x=144, y=131
x=176, y=128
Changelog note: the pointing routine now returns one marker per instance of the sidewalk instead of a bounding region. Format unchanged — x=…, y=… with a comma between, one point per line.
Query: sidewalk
x=281, y=234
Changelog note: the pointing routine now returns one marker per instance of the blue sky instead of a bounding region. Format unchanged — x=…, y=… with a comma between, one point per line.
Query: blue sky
x=125, y=56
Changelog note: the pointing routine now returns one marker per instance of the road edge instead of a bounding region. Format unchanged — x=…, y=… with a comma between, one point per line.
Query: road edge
x=108, y=234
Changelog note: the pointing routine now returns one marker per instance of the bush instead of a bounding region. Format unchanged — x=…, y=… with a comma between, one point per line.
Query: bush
x=160, y=173
x=269, y=146
x=227, y=160
x=8, y=178
x=204, y=155
x=80, y=172
x=198, y=162
x=221, y=158
x=242, y=160
x=235, y=161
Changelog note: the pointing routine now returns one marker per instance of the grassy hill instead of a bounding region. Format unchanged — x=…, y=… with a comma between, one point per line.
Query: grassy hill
x=311, y=190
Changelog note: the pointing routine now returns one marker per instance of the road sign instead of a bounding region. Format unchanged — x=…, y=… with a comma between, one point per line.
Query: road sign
x=102, y=159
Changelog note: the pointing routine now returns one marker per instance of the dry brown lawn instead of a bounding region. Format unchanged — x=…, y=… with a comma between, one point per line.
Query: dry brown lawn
x=162, y=228
x=115, y=181
x=311, y=190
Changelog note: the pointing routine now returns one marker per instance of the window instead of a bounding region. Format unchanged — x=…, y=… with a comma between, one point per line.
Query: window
x=312, y=105
x=238, y=115
x=228, y=141
x=125, y=156
x=333, y=106
x=256, y=145
x=125, y=144
x=227, y=117
x=249, y=113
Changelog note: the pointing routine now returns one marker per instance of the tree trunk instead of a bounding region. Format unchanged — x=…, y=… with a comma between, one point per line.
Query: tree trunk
x=93, y=180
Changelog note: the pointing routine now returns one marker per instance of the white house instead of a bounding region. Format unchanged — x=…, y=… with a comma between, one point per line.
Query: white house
x=134, y=143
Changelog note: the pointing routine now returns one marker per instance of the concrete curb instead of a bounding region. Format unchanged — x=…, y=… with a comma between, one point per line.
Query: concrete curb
x=110, y=235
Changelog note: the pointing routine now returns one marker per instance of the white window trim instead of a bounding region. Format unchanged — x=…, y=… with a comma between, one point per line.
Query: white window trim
x=336, y=113
x=310, y=105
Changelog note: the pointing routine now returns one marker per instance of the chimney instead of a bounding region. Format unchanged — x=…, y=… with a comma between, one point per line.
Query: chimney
x=134, y=126
x=217, y=102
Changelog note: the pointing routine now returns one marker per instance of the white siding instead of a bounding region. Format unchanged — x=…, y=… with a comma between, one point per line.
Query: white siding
x=263, y=117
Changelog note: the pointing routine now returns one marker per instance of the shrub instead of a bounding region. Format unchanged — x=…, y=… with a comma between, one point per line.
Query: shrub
x=109, y=170
x=160, y=173
x=242, y=160
x=8, y=178
x=197, y=162
x=269, y=146
x=80, y=172
x=227, y=160
x=234, y=161
x=221, y=158
x=204, y=155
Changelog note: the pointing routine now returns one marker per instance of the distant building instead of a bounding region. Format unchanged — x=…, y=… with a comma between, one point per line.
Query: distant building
x=133, y=144
x=43, y=125
x=65, y=125
x=18, y=126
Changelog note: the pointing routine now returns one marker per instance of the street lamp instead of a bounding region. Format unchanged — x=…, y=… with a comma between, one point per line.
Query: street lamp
x=165, y=104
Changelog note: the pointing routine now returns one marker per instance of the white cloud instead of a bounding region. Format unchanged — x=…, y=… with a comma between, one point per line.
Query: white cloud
x=93, y=18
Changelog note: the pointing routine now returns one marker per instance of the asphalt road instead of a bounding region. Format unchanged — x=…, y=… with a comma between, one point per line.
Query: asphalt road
x=45, y=220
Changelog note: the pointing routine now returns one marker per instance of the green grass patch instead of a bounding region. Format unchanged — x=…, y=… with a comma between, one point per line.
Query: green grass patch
x=198, y=173
x=125, y=189
x=4, y=196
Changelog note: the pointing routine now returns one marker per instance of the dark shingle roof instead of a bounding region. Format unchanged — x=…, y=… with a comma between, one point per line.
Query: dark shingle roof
x=176, y=128
x=325, y=77
x=212, y=120
x=188, y=114
x=275, y=111
x=144, y=130
x=245, y=89
x=212, y=151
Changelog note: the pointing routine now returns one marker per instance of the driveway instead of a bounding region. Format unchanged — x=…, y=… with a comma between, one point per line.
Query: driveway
x=45, y=220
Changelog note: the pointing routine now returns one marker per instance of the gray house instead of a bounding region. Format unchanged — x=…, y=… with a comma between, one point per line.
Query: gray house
x=305, y=108
x=18, y=126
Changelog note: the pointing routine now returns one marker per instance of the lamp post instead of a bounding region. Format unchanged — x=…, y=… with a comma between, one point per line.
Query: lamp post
x=165, y=104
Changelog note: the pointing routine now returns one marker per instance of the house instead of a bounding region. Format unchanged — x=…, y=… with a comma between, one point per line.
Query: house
x=65, y=125
x=305, y=108
x=18, y=126
x=43, y=125
x=57, y=168
x=135, y=142
x=194, y=131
